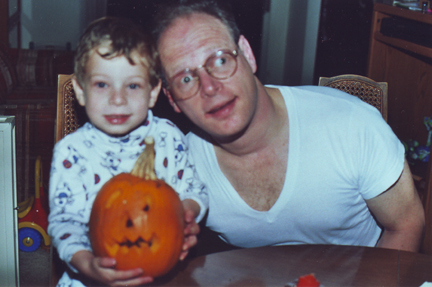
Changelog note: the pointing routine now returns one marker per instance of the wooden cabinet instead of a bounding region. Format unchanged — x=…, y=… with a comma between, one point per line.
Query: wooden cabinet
x=407, y=68
x=405, y=63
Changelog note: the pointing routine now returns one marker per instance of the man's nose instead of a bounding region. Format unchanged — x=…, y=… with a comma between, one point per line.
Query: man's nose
x=209, y=85
x=118, y=97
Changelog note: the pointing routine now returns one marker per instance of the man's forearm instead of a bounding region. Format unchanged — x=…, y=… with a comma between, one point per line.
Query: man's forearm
x=407, y=240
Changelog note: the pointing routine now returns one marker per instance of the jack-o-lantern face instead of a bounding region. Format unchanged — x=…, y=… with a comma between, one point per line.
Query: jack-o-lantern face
x=139, y=223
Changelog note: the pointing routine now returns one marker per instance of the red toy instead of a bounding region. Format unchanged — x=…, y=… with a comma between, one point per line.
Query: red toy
x=308, y=281
x=33, y=217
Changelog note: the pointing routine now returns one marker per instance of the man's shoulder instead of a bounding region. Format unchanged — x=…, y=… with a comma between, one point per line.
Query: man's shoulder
x=309, y=90
x=323, y=98
x=198, y=141
x=167, y=126
x=196, y=137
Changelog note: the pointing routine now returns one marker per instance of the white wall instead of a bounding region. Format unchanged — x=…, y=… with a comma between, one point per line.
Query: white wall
x=290, y=33
x=55, y=22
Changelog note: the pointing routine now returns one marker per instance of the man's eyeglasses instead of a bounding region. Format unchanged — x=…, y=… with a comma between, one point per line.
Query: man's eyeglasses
x=221, y=65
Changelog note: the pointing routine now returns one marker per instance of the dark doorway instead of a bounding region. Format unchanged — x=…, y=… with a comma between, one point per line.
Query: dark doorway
x=343, y=38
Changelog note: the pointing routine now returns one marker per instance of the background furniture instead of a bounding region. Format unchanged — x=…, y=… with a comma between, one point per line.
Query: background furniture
x=28, y=88
x=400, y=54
x=366, y=89
x=332, y=265
x=406, y=67
x=70, y=115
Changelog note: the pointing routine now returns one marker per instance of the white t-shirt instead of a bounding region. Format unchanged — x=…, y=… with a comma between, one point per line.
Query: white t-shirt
x=341, y=153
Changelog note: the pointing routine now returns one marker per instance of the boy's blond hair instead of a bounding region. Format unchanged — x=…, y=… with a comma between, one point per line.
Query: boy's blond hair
x=123, y=38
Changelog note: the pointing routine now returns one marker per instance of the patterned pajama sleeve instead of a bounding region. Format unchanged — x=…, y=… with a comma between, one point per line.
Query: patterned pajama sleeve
x=69, y=210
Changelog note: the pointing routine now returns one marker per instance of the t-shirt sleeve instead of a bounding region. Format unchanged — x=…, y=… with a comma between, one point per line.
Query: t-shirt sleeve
x=379, y=154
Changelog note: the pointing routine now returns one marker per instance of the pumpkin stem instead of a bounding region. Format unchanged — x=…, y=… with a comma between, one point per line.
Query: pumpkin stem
x=144, y=166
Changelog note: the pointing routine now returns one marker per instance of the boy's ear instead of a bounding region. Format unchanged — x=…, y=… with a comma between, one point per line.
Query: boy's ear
x=79, y=92
x=171, y=100
x=154, y=93
x=246, y=49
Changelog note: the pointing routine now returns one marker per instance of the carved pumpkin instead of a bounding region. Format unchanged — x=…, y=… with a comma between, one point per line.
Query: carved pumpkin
x=138, y=219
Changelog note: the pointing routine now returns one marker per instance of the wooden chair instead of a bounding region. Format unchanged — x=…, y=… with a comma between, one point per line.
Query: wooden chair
x=369, y=91
x=70, y=115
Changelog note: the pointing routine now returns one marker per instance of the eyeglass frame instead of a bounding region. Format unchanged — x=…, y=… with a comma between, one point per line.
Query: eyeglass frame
x=234, y=53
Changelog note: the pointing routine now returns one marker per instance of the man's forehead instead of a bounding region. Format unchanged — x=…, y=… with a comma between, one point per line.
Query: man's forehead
x=195, y=26
x=194, y=37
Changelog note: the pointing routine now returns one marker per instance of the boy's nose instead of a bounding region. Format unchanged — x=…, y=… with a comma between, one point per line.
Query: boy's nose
x=209, y=85
x=118, y=97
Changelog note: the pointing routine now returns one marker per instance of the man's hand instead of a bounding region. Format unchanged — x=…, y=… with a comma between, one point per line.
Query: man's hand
x=102, y=270
x=191, y=230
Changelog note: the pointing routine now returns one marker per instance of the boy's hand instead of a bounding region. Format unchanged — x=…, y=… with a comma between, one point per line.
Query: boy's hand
x=102, y=270
x=191, y=230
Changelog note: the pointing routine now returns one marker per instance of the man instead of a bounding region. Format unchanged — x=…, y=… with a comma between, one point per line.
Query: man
x=283, y=165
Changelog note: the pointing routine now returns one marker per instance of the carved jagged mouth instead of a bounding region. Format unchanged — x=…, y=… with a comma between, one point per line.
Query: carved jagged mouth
x=136, y=243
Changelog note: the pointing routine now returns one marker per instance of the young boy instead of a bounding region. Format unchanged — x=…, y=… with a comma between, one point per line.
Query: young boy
x=116, y=80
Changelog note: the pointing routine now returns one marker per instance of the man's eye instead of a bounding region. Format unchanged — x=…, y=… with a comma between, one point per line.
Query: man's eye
x=220, y=62
x=186, y=80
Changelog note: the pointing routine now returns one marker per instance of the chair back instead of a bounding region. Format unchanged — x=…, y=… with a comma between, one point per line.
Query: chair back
x=70, y=115
x=369, y=91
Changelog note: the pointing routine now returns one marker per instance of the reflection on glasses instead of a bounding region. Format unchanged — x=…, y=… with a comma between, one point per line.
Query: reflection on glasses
x=221, y=65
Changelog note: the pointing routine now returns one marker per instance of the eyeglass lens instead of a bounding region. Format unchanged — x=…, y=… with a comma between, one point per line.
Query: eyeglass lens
x=220, y=66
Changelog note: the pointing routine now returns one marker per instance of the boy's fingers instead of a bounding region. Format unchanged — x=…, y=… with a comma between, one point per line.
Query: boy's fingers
x=134, y=282
x=189, y=215
x=106, y=262
x=129, y=274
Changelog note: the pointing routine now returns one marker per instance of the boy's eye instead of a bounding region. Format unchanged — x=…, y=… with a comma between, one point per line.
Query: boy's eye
x=134, y=86
x=101, y=85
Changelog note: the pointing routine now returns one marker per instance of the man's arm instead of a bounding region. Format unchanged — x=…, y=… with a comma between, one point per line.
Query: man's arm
x=400, y=212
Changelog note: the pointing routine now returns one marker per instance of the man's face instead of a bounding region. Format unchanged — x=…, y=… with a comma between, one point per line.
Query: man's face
x=223, y=108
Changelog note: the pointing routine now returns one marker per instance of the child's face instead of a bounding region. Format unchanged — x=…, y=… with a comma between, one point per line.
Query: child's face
x=116, y=94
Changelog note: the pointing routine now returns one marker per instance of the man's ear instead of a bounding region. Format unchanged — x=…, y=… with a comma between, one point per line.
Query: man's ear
x=246, y=49
x=79, y=92
x=154, y=93
x=171, y=100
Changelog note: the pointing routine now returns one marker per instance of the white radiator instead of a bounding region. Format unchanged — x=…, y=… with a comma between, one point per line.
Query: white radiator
x=9, y=260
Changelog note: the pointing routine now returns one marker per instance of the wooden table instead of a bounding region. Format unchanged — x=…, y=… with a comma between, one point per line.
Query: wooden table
x=277, y=265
